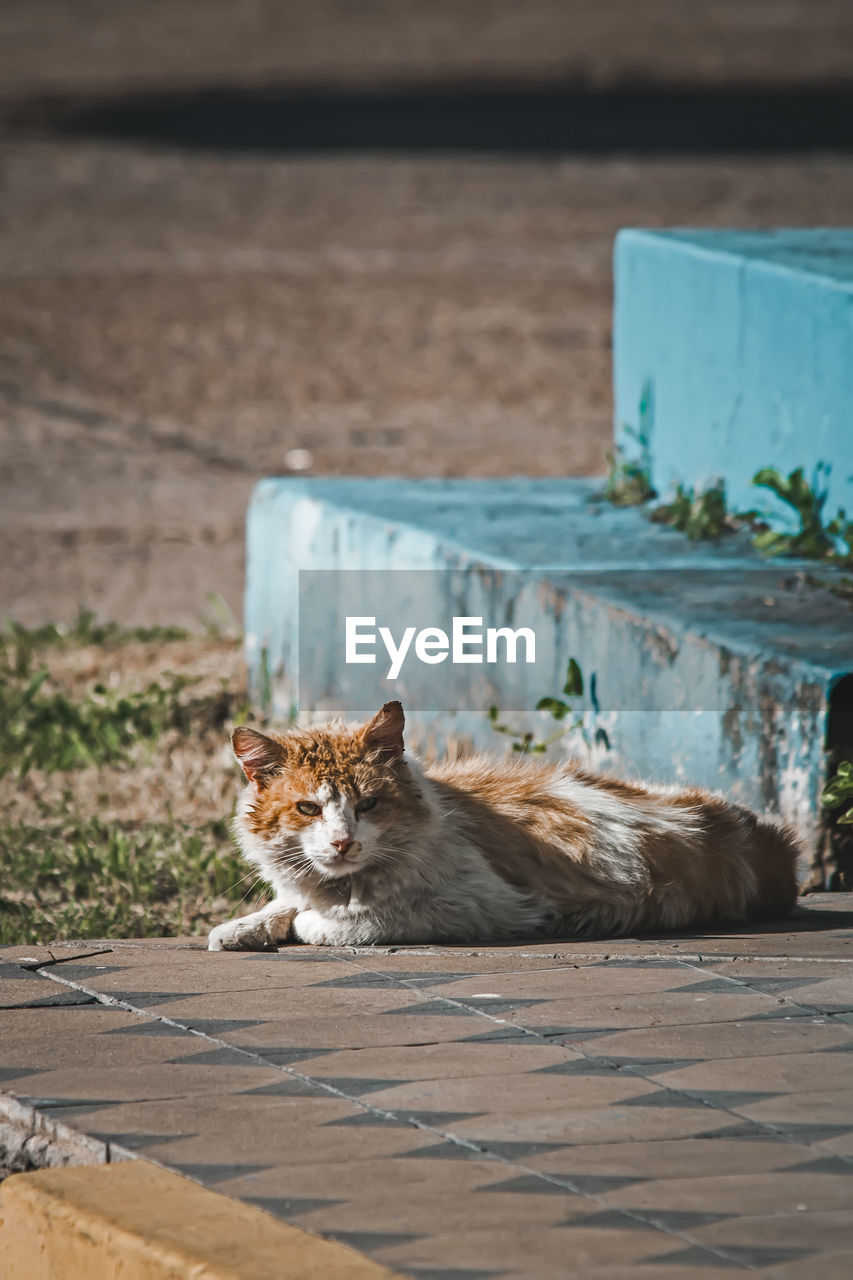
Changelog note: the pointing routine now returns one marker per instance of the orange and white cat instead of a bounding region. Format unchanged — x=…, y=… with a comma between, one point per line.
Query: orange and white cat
x=363, y=845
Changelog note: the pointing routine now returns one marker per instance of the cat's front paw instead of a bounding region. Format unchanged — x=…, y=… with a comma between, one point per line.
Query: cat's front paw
x=258, y=932
x=239, y=935
x=309, y=926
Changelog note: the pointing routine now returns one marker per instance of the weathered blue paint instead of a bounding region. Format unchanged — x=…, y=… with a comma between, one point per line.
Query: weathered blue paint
x=710, y=666
x=744, y=340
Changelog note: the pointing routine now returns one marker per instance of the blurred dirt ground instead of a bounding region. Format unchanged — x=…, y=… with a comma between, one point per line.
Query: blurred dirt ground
x=174, y=323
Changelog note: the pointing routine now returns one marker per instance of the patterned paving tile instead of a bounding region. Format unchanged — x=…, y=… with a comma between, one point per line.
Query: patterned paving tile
x=10, y=971
x=663, y=1098
x=558, y=1184
x=829, y=1265
x=731, y=1099
x=362, y=978
x=580, y=1067
x=649, y=1066
x=403, y=1118
x=521, y=1152
x=808, y=1229
x=779, y=1073
x=9, y=1075
x=441, y=1061
x=320, y=1087
x=587, y=1126
x=835, y=1165
x=94, y=972
x=777, y=1193
x=291, y=1207
x=431, y=1009
x=672, y=1158
x=148, y=999
x=657, y=1008
x=541, y=1251
x=453, y=1273
x=147, y=1027
x=39, y=997
x=736, y=1039
x=498, y=1111
x=212, y=1174
x=372, y=1241
x=825, y=1106
x=140, y=1142
x=673, y=1220
x=695, y=1255
x=444, y=1151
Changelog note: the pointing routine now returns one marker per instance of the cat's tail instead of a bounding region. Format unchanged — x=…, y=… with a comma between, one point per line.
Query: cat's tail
x=774, y=854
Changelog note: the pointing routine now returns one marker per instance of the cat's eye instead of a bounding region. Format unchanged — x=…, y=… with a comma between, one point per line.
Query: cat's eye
x=369, y=802
x=309, y=808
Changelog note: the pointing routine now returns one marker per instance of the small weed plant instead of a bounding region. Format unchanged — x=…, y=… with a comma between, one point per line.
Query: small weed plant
x=564, y=712
x=629, y=481
x=815, y=538
x=702, y=517
x=838, y=794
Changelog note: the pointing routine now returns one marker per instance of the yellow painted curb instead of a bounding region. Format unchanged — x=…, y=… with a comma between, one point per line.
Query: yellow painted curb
x=139, y=1222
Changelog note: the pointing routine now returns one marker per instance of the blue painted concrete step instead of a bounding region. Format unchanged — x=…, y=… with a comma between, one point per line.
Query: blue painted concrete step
x=706, y=663
x=741, y=344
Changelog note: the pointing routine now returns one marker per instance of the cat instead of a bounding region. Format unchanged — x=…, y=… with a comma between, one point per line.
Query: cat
x=362, y=845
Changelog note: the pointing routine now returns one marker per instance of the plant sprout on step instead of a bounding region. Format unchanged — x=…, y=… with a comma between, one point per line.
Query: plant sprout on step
x=560, y=710
x=815, y=539
x=629, y=481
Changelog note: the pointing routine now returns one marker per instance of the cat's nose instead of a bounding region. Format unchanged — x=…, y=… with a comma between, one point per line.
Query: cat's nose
x=341, y=845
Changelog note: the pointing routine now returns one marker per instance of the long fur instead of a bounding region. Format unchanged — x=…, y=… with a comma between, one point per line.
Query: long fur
x=485, y=849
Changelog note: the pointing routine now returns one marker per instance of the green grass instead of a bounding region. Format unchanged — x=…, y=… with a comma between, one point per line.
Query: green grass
x=65, y=869
x=86, y=630
x=45, y=728
x=75, y=876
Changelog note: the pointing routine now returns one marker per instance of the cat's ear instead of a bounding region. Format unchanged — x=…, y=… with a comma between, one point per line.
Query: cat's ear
x=259, y=755
x=385, y=731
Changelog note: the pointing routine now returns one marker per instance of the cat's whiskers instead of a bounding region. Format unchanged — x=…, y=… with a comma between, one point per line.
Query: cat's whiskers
x=387, y=853
x=247, y=876
x=256, y=885
x=301, y=866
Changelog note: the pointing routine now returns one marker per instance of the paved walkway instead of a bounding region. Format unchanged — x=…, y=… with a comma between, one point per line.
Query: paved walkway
x=660, y=1107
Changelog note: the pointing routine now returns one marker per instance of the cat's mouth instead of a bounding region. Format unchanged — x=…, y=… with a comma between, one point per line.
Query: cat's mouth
x=335, y=864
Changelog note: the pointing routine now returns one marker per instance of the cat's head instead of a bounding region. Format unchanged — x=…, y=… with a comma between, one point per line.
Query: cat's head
x=325, y=801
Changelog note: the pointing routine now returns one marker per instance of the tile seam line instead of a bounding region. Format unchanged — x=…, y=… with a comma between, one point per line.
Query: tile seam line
x=572, y=1189
x=781, y=998
x=632, y=1072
